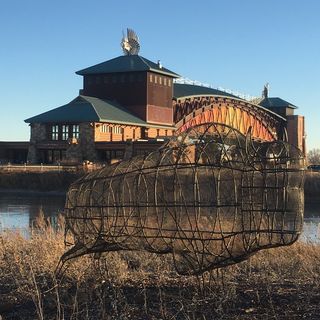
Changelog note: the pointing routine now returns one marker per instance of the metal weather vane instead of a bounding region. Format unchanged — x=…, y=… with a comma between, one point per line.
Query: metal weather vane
x=130, y=43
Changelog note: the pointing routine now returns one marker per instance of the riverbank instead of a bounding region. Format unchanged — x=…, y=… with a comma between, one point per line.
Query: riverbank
x=282, y=283
x=50, y=182
x=312, y=186
x=59, y=182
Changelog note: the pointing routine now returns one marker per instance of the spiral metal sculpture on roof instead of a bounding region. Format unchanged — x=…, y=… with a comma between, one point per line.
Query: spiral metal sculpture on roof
x=211, y=197
x=130, y=43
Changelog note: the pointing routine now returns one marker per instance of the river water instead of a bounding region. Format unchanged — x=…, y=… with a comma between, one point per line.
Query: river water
x=18, y=211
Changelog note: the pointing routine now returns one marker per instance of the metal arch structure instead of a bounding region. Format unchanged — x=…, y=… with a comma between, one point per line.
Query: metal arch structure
x=237, y=113
x=210, y=197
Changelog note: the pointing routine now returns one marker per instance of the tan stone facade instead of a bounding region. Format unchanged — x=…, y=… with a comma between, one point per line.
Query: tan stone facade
x=38, y=134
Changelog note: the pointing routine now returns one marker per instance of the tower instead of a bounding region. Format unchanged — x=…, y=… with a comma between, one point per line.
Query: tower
x=141, y=86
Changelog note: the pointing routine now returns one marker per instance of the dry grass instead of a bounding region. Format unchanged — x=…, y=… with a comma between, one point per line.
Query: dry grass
x=281, y=283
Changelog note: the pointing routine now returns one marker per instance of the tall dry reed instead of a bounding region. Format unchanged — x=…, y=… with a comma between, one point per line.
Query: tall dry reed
x=281, y=283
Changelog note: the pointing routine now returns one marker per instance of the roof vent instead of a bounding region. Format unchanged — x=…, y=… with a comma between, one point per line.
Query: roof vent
x=159, y=64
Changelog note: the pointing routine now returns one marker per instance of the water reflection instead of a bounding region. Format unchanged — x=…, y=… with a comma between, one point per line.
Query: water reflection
x=311, y=209
x=14, y=216
x=18, y=211
x=311, y=229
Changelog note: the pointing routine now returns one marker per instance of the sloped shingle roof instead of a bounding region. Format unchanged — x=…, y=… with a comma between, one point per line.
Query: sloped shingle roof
x=130, y=63
x=276, y=103
x=88, y=109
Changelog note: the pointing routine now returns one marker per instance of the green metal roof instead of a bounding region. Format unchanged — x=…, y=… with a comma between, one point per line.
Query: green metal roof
x=88, y=109
x=276, y=103
x=185, y=90
x=130, y=63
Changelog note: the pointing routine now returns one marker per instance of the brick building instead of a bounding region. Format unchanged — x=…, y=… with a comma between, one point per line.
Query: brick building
x=127, y=107
x=294, y=123
x=125, y=102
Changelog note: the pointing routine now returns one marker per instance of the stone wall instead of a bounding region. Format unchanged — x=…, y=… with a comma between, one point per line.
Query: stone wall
x=38, y=134
x=77, y=151
x=86, y=140
x=73, y=153
x=83, y=148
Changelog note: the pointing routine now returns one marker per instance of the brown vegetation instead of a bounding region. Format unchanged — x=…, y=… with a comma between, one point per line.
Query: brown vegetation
x=313, y=156
x=280, y=283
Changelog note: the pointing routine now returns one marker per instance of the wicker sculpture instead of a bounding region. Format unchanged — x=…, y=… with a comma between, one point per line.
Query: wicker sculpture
x=210, y=197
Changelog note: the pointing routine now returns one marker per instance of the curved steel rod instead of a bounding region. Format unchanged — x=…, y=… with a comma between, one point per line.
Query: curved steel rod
x=211, y=197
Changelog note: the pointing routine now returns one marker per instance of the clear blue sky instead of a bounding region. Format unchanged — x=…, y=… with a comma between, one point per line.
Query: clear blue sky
x=234, y=44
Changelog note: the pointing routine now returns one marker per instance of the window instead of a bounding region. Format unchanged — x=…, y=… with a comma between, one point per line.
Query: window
x=160, y=80
x=150, y=78
x=55, y=132
x=49, y=158
x=141, y=152
x=75, y=131
x=155, y=79
x=117, y=130
x=105, y=128
x=144, y=133
x=55, y=156
x=165, y=81
x=169, y=82
x=114, y=154
x=65, y=132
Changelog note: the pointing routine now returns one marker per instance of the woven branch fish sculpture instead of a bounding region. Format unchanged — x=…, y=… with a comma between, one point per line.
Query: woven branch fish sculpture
x=210, y=196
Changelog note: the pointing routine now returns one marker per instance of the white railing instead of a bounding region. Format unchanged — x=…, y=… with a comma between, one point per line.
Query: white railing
x=244, y=96
x=85, y=166
x=37, y=168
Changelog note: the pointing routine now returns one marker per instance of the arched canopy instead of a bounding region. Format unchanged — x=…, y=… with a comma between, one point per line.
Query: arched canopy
x=242, y=115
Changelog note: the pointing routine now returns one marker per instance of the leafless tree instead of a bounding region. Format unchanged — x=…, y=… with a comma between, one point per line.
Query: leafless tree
x=314, y=156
